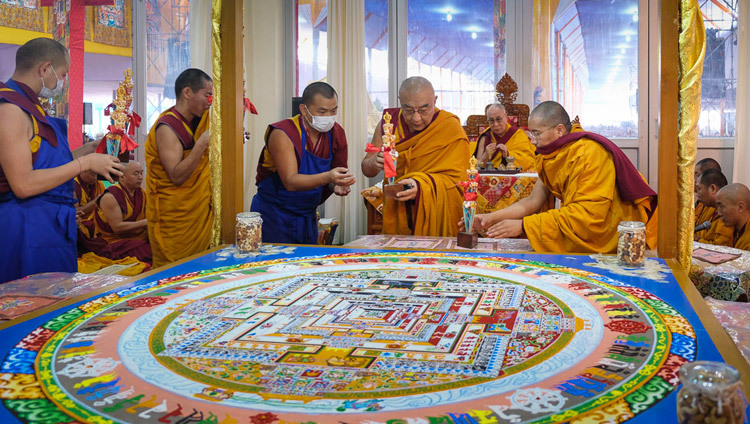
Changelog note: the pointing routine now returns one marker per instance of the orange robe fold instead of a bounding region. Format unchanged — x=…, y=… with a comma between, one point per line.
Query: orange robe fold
x=84, y=195
x=179, y=217
x=518, y=145
x=742, y=240
x=134, y=243
x=703, y=213
x=437, y=158
x=582, y=175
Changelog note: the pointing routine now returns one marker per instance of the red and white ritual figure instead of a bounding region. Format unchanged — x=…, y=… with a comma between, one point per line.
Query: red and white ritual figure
x=390, y=155
x=469, y=238
x=117, y=142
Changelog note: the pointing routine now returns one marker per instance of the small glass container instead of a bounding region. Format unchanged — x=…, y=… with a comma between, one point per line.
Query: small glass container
x=631, y=243
x=711, y=393
x=249, y=231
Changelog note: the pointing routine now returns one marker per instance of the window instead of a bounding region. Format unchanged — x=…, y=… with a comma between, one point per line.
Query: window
x=312, y=42
x=460, y=49
x=594, y=64
x=376, y=59
x=719, y=83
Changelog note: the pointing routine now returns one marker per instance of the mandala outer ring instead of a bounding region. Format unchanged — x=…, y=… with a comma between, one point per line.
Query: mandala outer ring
x=647, y=373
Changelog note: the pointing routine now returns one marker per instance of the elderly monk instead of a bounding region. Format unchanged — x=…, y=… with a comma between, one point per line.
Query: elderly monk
x=704, y=213
x=121, y=217
x=733, y=204
x=596, y=183
x=37, y=167
x=433, y=155
x=87, y=190
x=302, y=164
x=706, y=187
x=178, y=183
x=501, y=140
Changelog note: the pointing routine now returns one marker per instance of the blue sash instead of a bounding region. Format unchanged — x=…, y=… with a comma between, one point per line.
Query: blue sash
x=39, y=232
x=289, y=216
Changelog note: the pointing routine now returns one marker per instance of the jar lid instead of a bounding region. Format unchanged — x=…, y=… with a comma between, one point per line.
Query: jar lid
x=631, y=225
x=248, y=215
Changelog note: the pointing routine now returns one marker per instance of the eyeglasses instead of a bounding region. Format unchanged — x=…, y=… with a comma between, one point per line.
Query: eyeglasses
x=492, y=121
x=422, y=111
x=537, y=133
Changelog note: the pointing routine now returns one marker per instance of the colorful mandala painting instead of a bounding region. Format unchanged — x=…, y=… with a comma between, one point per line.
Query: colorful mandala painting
x=355, y=338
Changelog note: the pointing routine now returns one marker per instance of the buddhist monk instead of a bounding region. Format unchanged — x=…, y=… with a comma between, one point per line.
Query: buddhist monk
x=702, y=212
x=87, y=190
x=597, y=185
x=733, y=204
x=178, y=183
x=121, y=217
x=37, y=168
x=501, y=140
x=706, y=187
x=433, y=155
x=303, y=163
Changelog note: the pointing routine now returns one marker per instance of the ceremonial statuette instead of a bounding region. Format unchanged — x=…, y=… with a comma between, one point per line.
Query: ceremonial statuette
x=469, y=237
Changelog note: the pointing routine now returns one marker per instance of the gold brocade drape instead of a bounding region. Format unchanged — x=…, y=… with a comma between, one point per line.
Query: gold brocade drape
x=692, y=48
x=214, y=149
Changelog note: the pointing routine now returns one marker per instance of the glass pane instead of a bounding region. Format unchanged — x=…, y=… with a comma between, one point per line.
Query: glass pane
x=168, y=45
x=719, y=85
x=376, y=59
x=460, y=49
x=103, y=74
x=594, y=64
x=312, y=42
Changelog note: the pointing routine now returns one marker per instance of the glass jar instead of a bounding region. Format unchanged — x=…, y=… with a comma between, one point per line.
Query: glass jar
x=631, y=243
x=249, y=231
x=711, y=393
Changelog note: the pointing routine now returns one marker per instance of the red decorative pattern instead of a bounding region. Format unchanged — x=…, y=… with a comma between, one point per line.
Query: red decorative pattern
x=627, y=326
x=146, y=302
x=265, y=418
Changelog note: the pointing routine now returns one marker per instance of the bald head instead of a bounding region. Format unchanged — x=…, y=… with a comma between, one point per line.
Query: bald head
x=551, y=114
x=38, y=51
x=413, y=85
x=417, y=98
x=132, y=176
x=495, y=107
x=733, y=205
x=704, y=165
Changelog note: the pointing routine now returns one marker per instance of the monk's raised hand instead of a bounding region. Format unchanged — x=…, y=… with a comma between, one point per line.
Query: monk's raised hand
x=506, y=228
x=490, y=149
x=379, y=160
x=503, y=148
x=340, y=176
x=104, y=165
x=204, y=138
x=409, y=193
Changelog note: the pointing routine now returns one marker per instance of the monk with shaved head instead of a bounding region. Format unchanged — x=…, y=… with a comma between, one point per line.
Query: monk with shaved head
x=733, y=204
x=704, y=212
x=433, y=155
x=597, y=185
x=706, y=188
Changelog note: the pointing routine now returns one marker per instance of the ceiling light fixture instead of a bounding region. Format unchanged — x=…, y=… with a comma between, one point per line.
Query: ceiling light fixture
x=627, y=38
x=622, y=50
x=448, y=17
x=473, y=35
x=635, y=17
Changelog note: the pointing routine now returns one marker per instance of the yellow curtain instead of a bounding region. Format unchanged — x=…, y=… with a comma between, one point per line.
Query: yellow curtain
x=214, y=148
x=692, y=48
x=544, y=12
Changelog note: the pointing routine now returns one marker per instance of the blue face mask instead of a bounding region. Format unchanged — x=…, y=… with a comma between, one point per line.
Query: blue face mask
x=49, y=93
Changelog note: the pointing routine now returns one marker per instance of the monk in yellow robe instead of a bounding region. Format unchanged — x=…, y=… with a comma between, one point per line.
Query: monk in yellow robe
x=703, y=213
x=501, y=140
x=87, y=190
x=121, y=218
x=733, y=204
x=433, y=155
x=596, y=183
x=706, y=187
x=178, y=183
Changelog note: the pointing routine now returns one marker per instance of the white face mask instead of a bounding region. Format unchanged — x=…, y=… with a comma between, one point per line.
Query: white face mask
x=322, y=123
x=49, y=93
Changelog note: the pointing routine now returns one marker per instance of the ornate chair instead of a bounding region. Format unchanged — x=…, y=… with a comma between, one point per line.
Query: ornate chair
x=506, y=92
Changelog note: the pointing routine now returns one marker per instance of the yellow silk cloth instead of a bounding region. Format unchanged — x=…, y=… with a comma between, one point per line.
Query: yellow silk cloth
x=692, y=51
x=437, y=158
x=703, y=213
x=179, y=217
x=91, y=262
x=719, y=234
x=519, y=147
x=582, y=175
x=743, y=242
x=130, y=214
